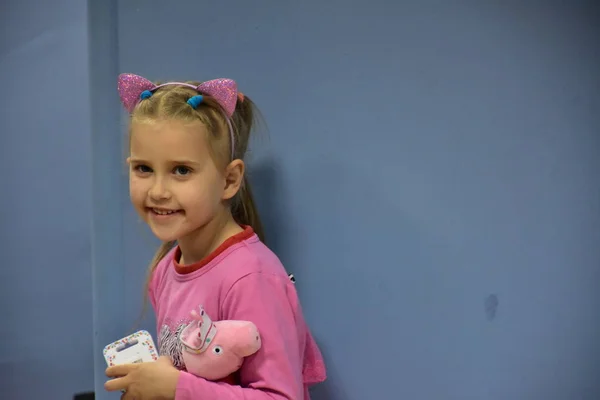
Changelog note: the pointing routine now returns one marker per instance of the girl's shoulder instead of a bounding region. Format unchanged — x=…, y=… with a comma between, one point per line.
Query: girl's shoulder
x=255, y=257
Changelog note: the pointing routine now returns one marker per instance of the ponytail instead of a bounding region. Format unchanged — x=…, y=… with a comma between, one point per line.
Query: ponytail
x=245, y=211
x=244, y=208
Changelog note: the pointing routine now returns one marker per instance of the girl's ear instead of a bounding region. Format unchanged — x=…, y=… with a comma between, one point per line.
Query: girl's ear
x=234, y=176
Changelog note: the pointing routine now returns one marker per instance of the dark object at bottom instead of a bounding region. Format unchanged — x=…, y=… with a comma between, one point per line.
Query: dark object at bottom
x=85, y=396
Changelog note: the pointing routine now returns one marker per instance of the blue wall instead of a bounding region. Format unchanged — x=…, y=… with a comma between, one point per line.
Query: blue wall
x=46, y=201
x=433, y=177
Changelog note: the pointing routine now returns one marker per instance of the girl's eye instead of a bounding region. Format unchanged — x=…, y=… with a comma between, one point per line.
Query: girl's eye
x=181, y=170
x=143, y=169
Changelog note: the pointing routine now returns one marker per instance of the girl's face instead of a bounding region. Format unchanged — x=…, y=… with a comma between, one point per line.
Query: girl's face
x=174, y=183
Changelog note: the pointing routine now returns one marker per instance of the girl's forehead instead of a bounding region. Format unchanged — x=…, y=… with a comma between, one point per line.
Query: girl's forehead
x=169, y=138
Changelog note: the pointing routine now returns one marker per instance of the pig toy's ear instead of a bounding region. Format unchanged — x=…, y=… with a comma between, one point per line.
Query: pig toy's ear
x=248, y=339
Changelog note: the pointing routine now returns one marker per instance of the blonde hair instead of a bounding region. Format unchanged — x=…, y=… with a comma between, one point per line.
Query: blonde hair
x=170, y=102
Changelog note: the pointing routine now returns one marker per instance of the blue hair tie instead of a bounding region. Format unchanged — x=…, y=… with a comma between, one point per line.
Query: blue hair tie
x=145, y=94
x=194, y=101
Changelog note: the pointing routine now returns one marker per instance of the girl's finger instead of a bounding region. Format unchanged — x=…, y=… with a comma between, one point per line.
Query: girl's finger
x=117, y=384
x=117, y=371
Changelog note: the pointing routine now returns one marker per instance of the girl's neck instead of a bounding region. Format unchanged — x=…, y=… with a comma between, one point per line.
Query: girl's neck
x=201, y=243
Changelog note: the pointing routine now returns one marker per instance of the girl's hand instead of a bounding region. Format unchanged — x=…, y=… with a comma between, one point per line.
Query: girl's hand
x=144, y=381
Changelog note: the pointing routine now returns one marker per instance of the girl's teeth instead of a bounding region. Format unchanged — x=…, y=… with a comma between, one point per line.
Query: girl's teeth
x=162, y=212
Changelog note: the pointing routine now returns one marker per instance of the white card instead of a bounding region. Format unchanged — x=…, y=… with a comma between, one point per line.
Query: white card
x=135, y=348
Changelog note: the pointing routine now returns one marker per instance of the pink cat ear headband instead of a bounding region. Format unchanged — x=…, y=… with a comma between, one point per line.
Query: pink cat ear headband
x=134, y=88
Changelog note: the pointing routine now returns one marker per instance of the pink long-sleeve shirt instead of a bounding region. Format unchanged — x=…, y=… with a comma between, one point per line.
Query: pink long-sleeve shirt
x=241, y=280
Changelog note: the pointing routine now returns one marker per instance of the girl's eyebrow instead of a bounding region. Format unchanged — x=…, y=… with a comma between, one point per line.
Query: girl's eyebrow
x=176, y=162
x=137, y=160
x=185, y=162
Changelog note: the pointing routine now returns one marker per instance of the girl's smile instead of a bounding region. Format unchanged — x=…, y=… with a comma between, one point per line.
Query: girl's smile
x=162, y=214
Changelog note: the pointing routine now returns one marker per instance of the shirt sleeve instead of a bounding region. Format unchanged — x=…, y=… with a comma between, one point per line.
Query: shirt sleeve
x=275, y=371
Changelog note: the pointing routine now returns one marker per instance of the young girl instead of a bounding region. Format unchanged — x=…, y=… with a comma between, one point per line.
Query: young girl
x=187, y=181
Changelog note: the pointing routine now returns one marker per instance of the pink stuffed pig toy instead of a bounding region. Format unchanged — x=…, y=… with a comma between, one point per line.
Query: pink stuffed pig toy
x=214, y=350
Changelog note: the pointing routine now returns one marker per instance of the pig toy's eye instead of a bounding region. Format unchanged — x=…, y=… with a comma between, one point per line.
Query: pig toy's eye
x=217, y=350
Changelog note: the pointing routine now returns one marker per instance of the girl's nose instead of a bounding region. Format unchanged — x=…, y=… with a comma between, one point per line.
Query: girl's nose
x=159, y=191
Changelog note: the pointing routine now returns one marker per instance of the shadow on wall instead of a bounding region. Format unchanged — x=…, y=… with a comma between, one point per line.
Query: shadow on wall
x=270, y=194
x=326, y=390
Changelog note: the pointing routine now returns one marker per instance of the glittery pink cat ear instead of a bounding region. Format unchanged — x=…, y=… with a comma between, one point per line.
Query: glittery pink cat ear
x=224, y=91
x=130, y=87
